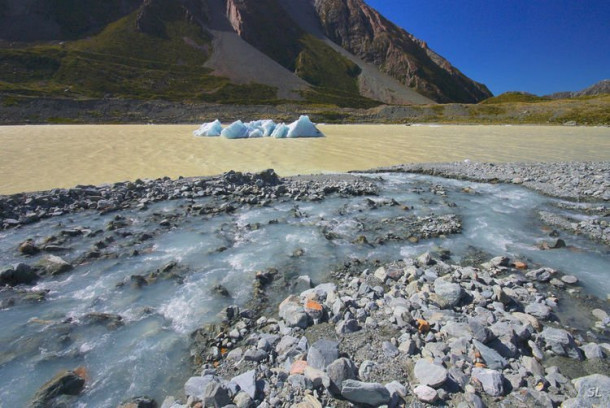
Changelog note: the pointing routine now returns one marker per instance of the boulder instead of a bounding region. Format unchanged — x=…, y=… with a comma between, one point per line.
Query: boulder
x=54, y=265
x=492, y=358
x=538, y=310
x=293, y=312
x=17, y=275
x=338, y=371
x=425, y=393
x=360, y=392
x=322, y=353
x=447, y=294
x=560, y=342
x=247, y=382
x=491, y=381
x=216, y=395
x=431, y=374
x=64, y=383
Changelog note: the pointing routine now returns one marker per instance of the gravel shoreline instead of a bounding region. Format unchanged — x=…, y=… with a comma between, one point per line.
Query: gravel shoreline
x=410, y=333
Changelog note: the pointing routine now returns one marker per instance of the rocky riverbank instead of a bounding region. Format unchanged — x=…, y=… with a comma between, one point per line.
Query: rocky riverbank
x=416, y=332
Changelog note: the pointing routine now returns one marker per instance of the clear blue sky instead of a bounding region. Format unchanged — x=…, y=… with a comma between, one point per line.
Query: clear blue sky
x=538, y=46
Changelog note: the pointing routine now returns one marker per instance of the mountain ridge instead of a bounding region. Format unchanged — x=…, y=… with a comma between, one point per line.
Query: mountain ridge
x=303, y=50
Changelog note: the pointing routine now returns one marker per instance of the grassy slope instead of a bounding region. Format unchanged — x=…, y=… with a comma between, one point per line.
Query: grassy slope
x=123, y=62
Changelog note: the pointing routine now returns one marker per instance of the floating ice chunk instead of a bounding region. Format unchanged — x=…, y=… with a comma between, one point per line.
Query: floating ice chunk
x=255, y=133
x=303, y=128
x=268, y=127
x=209, y=129
x=280, y=131
x=236, y=130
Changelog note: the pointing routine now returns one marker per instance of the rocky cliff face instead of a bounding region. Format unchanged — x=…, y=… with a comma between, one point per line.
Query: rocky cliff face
x=364, y=32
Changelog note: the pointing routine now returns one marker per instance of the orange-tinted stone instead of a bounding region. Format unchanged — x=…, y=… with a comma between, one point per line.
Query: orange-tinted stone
x=298, y=367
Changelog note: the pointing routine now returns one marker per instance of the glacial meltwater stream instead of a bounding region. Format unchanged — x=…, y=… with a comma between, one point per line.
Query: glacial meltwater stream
x=126, y=316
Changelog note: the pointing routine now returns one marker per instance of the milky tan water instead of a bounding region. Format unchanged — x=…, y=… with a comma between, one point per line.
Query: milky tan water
x=45, y=157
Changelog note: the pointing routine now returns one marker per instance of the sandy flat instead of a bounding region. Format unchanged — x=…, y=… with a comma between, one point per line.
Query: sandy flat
x=44, y=157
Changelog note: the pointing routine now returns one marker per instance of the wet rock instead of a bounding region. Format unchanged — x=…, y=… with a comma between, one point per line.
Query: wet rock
x=64, y=383
x=17, y=275
x=431, y=374
x=490, y=380
x=447, y=294
x=54, y=265
x=28, y=247
x=322, y=353
x=139, y=402
x=359, y=392
x=599, y=314
x=560, y=342
x=220, y=290
x=247, y=383
x=425, y=393
x=593, y=391
x=569, y=279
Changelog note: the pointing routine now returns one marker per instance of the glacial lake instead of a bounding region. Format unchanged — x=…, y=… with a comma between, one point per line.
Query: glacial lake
x=48, y=156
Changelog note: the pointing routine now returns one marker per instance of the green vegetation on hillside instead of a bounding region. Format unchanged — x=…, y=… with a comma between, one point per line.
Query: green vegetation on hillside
x=126, y=63
x=511, y=97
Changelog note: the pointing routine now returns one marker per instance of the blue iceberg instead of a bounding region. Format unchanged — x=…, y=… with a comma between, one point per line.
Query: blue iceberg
x=303, y=128
x=236, y=130
x=280, y=131
x=209, y=129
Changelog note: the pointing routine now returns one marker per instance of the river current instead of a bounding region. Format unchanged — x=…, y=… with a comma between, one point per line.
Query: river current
x=147, y=351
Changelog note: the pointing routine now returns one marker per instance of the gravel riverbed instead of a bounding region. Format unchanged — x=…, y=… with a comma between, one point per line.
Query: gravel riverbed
x=415, y=332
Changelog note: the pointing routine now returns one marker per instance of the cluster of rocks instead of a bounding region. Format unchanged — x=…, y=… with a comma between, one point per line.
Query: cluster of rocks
x=418, y=331
x=232, y=188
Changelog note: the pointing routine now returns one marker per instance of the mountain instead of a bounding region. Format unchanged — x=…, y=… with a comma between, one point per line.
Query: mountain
x=336, y=52
x=599, y=88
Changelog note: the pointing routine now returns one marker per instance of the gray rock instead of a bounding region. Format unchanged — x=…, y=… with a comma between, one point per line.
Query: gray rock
x=285, y=344
x=365, y=369
x=491, y=381
x=338, y=371
x=480, y=331
x=381, y=274
x=243, y=400
x=216, y=395
x=592, y=351
x=447, y=294
x=322, y=353
x=425, y=393
x=407, y=347
x=533, y=366
x=347, y=326
x=54, y=265
x=293, y=312
x=195, y=386
x=389, y=350
x=569, y=279
x=317, y=377
x=560, y=342
x=599, y=314
x=431, y=374
x=247, y=382
x=457, y=329
x=256, y=355
x=538, y=310
x=64, y=383
x=18, y=274
x=139, y=402
x=474, y=400
x=492, y=358
x=593, y=391
x=425, y=259
x=359, y=392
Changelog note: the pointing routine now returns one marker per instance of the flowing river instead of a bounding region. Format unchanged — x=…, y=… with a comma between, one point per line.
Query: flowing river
x=146, y=352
